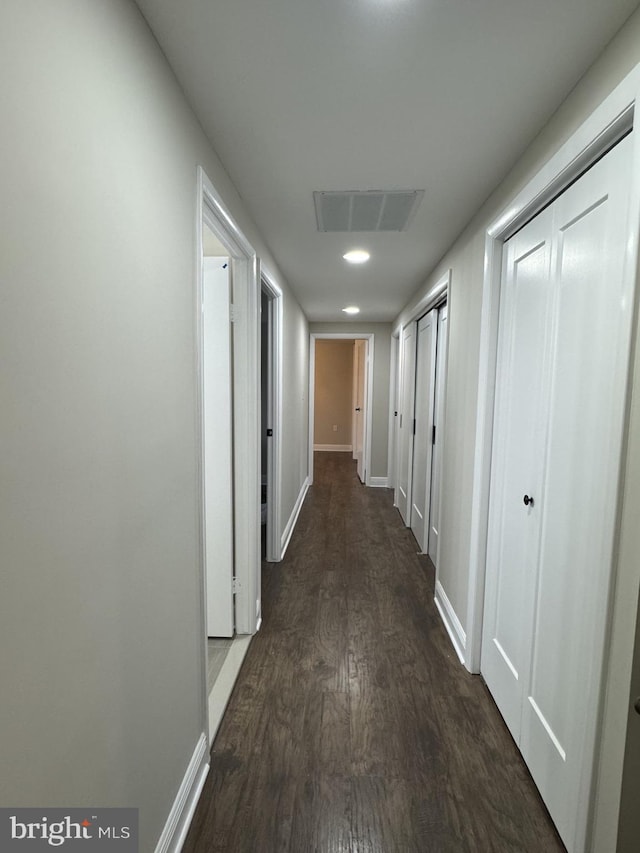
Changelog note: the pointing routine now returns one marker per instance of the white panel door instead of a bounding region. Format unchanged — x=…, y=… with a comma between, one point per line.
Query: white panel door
x=405, y=418
x=524, y=328
x=360, y=352
x=438, y=433
x=560, y=399
x=422, y=426
x=578, y=505
x=218, y=468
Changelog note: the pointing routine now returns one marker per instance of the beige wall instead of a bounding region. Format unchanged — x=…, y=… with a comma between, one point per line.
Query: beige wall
x=466, y=261
x=100, y=615
x=333, y=402
x=382, y=355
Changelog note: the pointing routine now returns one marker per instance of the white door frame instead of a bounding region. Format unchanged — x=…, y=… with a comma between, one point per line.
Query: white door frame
x=438, y=294
x=609, y=123
x=394, y=359
x=274, y=445
x=343, y=336
x=212, y=211
x=359, y=371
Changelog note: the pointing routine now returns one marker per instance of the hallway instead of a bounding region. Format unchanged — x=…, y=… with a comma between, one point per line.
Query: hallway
x=352, y=726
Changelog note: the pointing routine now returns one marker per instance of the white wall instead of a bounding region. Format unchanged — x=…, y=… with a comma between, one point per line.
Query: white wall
x=295, y=409
x=100, y=611
x=466, y=260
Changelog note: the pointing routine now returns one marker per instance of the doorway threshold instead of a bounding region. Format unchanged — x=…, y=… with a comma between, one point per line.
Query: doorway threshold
x=220, y=692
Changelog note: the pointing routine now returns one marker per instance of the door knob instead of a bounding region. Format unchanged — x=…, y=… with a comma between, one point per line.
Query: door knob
x=357, y=408
x=527, y=500
x=637, y=705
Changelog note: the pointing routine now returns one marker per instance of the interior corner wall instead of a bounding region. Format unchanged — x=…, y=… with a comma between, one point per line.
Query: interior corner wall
x=295, y=410
x=101, y=620
x=465, y=258
x=333, y=402
x=382, y=357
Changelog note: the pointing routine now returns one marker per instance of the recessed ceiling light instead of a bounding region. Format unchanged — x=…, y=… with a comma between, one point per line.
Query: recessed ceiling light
x=351, y=309
x=357, y=256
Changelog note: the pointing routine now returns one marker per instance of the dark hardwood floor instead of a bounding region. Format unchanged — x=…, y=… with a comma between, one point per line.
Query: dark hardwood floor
x=353, y=728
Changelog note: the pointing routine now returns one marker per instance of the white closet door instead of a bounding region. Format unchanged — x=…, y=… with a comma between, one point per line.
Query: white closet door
x=218, y=467
x=563, y=352
x=405, y=418
x=360, y=359
x=525, y=314
x=438, y=423
x=423, y=422
x=577, y=508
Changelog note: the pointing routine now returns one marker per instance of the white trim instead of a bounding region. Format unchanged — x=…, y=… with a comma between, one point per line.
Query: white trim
x=225, y=681
x=177, y=825
x=369, y=392
x=354, y=399
x=431, y=299
x=605, y=125
x=338, y=448
x=451, y=621
x=343, y=336
x=379, y=482
x=394, y=353
x=246, y=386
x=293, y=518
x=199, y=372
x=276, y=359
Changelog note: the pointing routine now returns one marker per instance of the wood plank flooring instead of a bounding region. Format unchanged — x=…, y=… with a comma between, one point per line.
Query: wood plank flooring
x=353, y=728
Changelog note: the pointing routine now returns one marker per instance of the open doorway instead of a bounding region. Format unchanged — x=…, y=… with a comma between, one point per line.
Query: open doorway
x=270, y=417
x=340, y=398
x=227, y=320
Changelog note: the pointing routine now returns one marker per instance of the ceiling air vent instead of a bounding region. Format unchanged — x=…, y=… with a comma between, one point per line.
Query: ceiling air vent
x=370, y=210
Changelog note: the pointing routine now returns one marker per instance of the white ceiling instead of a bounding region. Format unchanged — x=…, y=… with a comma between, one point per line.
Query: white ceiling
x=435, y=95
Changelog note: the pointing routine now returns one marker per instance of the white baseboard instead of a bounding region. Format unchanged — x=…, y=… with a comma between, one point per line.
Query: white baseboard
x=451, y=621
x=338, y=448
x=224, y=683
x=177, y=825
x=288, y=531
x=378, y=482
